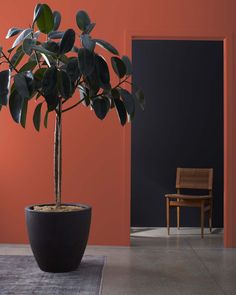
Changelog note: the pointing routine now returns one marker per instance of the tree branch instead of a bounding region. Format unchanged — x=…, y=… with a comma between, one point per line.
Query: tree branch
x=79, y=102
x=121, y=82
x=73, y=106
x=10, y=63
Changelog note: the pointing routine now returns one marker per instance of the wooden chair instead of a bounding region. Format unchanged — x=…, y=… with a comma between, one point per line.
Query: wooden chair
x=191, y=178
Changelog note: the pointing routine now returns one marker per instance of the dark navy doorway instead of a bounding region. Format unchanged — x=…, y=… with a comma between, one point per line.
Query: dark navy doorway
x=182, y=125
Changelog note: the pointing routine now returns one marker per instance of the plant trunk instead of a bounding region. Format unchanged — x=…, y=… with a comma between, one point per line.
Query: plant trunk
x=58, y=155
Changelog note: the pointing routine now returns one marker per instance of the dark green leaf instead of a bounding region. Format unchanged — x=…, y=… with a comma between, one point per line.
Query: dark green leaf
x=131, y=116
x=24, y=34
x=64, y=84
x=93, y=83
x=49, y=88
x=21, y=85
x=16, y=104
x=33, y=56
x=87, y=42
x=86, y=61
x=29, y=66
x=17, y=57
x=107, y=46
x=141, y=99
x=48, y=60
x=45, y=21
x=121, y=111
x=29, y=77
x=86, y=101
x=27, y=45
x=128, y=65
x=134, y=87
x=40, y=73
x=52, y=100
x=57, y=20
x=84, y=95
x=37, y=12
x=24, y=113
x=49, y=81
x=38, y=86
x=115, y=94
x=118, y=66
x=72, y=69
x=82, y=20
x=128, y=100
x=42, y=50
x=102, y=70
x=101, y=107
x=37, y=116
x=24, y=84
x=12, y=88
x=12, y=32
x=67, y=41
x=89, y=28
x=56, y=35
x=63, y=58
x=4, y=86
x=51, y=46
x=45, y=122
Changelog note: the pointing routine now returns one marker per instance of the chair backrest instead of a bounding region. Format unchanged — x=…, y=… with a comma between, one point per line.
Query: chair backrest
x=194, y=178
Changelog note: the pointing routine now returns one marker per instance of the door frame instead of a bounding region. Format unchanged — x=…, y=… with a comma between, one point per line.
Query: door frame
x=129, y=36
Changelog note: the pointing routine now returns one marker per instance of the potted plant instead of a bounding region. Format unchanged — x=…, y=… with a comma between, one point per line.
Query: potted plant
x=49, y=73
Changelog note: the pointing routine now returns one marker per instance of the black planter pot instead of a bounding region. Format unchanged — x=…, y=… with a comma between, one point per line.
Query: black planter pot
x=58, y=239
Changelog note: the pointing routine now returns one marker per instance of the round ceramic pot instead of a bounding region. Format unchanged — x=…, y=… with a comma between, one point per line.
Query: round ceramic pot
x=58, y=239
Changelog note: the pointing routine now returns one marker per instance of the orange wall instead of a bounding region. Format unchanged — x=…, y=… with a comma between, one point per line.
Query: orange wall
x=97, y=154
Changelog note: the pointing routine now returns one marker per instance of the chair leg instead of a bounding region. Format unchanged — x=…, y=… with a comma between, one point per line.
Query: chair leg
x=168, y=215
x=202, y=219
x=210, y=216
x=178, y=216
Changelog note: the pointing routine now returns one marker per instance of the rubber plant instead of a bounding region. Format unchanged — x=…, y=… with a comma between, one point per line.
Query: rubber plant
x=49, y=67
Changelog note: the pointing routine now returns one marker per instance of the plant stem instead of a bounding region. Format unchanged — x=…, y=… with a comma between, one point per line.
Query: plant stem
x=58, y=155
x=55, y=159
x=79, y=102
x=9, y=62
x=121, y=82
x=73, y=106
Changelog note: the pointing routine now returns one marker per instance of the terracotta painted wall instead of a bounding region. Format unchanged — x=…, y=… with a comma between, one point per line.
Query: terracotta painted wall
x=96, y=154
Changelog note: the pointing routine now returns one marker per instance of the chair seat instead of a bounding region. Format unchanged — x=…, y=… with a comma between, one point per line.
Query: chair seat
x=188, y=197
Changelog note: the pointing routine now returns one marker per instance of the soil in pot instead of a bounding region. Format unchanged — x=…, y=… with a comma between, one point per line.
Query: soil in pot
x=53, y=208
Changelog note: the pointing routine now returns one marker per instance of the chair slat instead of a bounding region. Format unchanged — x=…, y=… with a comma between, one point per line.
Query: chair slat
x=194, y=178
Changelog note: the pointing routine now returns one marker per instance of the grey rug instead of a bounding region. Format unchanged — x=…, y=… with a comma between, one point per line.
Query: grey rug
x=20, y=275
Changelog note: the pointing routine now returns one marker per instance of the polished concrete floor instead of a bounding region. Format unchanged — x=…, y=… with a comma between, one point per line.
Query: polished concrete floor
x=157, y=264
